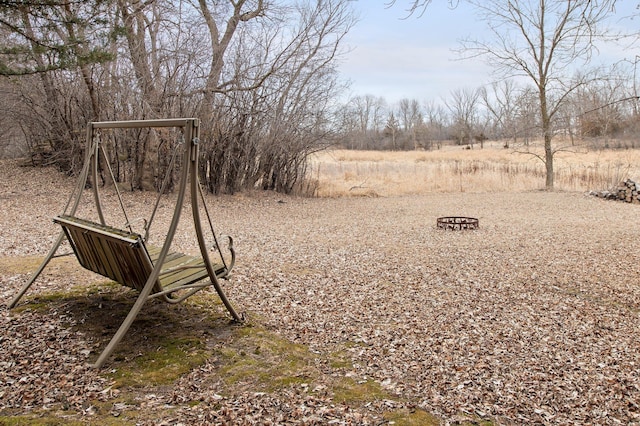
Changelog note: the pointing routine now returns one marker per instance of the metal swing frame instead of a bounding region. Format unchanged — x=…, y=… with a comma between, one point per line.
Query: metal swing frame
x=122, y=255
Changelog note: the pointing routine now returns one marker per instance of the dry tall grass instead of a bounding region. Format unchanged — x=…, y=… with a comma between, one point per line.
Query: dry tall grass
x=453, y=169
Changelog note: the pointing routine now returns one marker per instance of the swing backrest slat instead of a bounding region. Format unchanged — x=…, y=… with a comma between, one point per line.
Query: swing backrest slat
x=116, y=254
x=123, y=256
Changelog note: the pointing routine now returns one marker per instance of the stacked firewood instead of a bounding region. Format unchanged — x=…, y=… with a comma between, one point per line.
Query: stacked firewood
x=628, y=191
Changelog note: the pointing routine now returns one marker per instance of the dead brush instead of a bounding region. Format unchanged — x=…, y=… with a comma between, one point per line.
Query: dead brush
x=492, y=169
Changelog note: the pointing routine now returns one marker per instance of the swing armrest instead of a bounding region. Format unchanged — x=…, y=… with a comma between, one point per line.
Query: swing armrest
x=232, y=261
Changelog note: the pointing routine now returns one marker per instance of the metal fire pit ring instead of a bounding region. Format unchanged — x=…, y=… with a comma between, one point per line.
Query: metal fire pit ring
x=458, y=223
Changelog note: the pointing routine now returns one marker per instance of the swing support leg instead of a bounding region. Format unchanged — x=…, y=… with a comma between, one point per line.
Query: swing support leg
x=131, y=316
x=37, y=273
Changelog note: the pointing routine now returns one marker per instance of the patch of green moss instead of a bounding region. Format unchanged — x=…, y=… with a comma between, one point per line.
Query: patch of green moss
x=340, y=361
x=265, y=361
x=174, y=357
x=204, y=300
x=32, y=305
x=40, y=302
x=105, y=412
x=411, y=418
x=475, y=421
x=37, y=420
x=349, y=391
x=353, y=344
x=102, y=287
x=102, y=414
x=43, y=302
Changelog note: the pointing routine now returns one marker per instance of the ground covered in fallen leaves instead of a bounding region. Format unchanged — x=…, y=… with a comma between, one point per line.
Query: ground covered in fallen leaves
x=359, y=311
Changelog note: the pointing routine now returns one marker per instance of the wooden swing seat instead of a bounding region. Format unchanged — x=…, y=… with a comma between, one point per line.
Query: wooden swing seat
x=124, y=257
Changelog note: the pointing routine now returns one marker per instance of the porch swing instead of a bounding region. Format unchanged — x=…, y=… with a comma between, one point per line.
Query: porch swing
x=122, y=254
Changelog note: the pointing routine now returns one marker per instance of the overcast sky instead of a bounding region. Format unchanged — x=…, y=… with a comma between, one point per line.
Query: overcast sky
x=412, y=58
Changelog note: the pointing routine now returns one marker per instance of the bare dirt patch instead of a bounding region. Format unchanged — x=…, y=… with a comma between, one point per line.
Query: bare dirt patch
x=360, y=310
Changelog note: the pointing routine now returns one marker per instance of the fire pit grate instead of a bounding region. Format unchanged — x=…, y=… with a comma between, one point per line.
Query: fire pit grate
x=457, y=223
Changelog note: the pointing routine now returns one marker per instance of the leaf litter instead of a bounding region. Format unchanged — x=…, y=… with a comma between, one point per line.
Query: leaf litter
x=533, y=318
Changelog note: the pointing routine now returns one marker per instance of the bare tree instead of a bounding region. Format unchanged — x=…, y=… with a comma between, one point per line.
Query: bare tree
x=300, y=116
x=346, y=123
x=501, y=104
x=50, y=49
x=463, y=107
x=258, y=73
x=527, y=117
x=435, y=122
x=241, y=13
x=544, y=41
x=269, y=101
x=367, y=114
x=411, y=118
x=378, y=114
x=363, y=109
x=598, y=109
x=392, y=129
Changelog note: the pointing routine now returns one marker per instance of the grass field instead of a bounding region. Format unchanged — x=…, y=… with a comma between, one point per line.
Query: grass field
x=454, y=169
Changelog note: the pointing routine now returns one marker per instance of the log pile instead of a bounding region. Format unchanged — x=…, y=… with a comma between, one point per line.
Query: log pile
x=628, y=191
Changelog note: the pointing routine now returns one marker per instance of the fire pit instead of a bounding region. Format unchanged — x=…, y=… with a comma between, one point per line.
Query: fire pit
x=457, y=223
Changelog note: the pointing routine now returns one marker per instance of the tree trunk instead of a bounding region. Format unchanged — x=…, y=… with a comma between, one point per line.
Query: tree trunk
x=548, y=161
x=146, y=150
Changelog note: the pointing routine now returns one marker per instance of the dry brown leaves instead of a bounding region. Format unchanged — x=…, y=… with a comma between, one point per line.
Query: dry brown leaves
x=44, y=363
x=533, y=318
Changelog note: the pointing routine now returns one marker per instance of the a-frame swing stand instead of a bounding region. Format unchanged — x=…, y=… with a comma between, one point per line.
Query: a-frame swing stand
x=122, y=255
